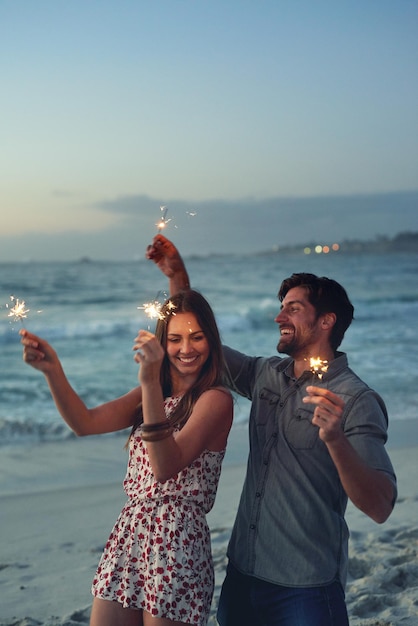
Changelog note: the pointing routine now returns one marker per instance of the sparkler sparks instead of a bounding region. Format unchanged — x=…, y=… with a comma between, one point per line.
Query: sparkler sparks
x=152, y=310
x=19, y=311
x=163, y=221
x=157, y=309
x=318, y=366
x=171, y=307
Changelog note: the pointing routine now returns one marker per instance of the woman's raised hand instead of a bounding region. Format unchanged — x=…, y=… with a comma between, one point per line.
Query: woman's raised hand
x=149, y=354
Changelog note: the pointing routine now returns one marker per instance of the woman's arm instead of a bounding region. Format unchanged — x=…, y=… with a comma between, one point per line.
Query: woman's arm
x=109, y=417
x=206, y=429
x=166, y=256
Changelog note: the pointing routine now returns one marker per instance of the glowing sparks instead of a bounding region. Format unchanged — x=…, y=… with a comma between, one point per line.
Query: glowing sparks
x=318, y=366
x=162, y=223
x=170, y=307
x=19, y=311
x=158, y=310
x=152, y=310
x=164, y=220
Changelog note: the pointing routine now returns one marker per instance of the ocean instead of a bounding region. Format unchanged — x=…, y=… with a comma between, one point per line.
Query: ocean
x=91, y=311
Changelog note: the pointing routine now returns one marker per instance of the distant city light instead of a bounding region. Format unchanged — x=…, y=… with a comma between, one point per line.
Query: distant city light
x=321, y=249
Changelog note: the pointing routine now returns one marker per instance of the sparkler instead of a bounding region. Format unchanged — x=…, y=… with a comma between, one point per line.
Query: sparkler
x=19, y=311
x=154, y=309
x=163, y=221
x=318, y=367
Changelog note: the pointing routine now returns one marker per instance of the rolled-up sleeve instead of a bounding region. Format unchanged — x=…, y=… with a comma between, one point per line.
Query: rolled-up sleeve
x=365, y=426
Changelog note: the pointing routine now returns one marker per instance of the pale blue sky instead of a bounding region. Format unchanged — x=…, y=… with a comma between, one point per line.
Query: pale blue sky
x=187, y=101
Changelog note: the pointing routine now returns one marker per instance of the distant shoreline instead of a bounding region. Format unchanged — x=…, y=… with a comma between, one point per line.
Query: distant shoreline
x=381, y=244
x=402, y=243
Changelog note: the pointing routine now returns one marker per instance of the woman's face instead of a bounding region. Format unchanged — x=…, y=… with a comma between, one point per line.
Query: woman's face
x=187, y=346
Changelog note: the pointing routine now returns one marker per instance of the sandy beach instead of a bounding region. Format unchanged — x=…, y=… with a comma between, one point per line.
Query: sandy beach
x=58, y=503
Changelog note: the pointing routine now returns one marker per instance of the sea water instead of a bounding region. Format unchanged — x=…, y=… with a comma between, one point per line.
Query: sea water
x=91, y=311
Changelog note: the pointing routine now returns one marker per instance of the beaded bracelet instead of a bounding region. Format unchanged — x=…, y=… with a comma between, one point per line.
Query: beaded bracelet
x=155, y=435
x=156, y=426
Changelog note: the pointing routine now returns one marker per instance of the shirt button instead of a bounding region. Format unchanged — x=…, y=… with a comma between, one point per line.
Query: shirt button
x=252, y=526
x=258, y=494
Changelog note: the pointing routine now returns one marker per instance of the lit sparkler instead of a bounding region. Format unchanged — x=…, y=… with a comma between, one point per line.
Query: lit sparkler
x=154, y=309
x=19, y=311
x=163, y=221
x=318, y=367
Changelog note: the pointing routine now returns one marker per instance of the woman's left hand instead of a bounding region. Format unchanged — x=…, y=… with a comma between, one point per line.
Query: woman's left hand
x=149, y=354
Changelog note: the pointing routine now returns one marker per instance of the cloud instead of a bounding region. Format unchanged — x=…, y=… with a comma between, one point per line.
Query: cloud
x=222, y=226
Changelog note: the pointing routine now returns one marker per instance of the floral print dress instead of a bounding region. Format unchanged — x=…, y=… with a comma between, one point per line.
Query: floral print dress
x=158, y=556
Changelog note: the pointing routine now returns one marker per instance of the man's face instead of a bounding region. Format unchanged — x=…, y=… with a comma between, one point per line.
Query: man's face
x=298, y=324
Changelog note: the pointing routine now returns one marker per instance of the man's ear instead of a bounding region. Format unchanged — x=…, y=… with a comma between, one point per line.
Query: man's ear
x=328, y=321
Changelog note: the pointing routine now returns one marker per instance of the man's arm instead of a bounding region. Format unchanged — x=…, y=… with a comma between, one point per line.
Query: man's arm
x=370, y=490
x=166, y=256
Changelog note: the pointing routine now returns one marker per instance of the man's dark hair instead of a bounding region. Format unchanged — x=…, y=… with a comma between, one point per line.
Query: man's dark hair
x=327, y=296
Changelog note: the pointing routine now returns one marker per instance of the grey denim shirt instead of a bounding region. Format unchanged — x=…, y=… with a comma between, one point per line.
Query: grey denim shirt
x=290, y=528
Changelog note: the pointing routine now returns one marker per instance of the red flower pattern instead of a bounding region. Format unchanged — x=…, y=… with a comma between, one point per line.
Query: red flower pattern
x=158, y=555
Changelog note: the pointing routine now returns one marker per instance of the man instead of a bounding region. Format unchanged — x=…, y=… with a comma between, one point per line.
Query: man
x=311, y=448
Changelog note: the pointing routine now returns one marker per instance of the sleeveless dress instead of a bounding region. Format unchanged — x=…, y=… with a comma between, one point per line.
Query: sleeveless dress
x=158, y=556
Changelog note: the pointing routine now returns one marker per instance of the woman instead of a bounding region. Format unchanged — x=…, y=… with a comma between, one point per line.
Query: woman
x=157, y=566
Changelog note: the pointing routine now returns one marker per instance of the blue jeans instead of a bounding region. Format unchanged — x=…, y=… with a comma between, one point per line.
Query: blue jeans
x=248, y=601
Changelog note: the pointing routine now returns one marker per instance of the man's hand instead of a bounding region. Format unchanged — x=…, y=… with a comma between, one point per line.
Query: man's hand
x=328, y=412
x=369, y=489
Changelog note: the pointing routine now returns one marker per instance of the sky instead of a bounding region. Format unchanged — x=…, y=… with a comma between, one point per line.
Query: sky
x=257, y=123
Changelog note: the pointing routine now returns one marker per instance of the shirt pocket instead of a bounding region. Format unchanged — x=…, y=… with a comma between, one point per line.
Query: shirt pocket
x=300, y=433
x=268, y=401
